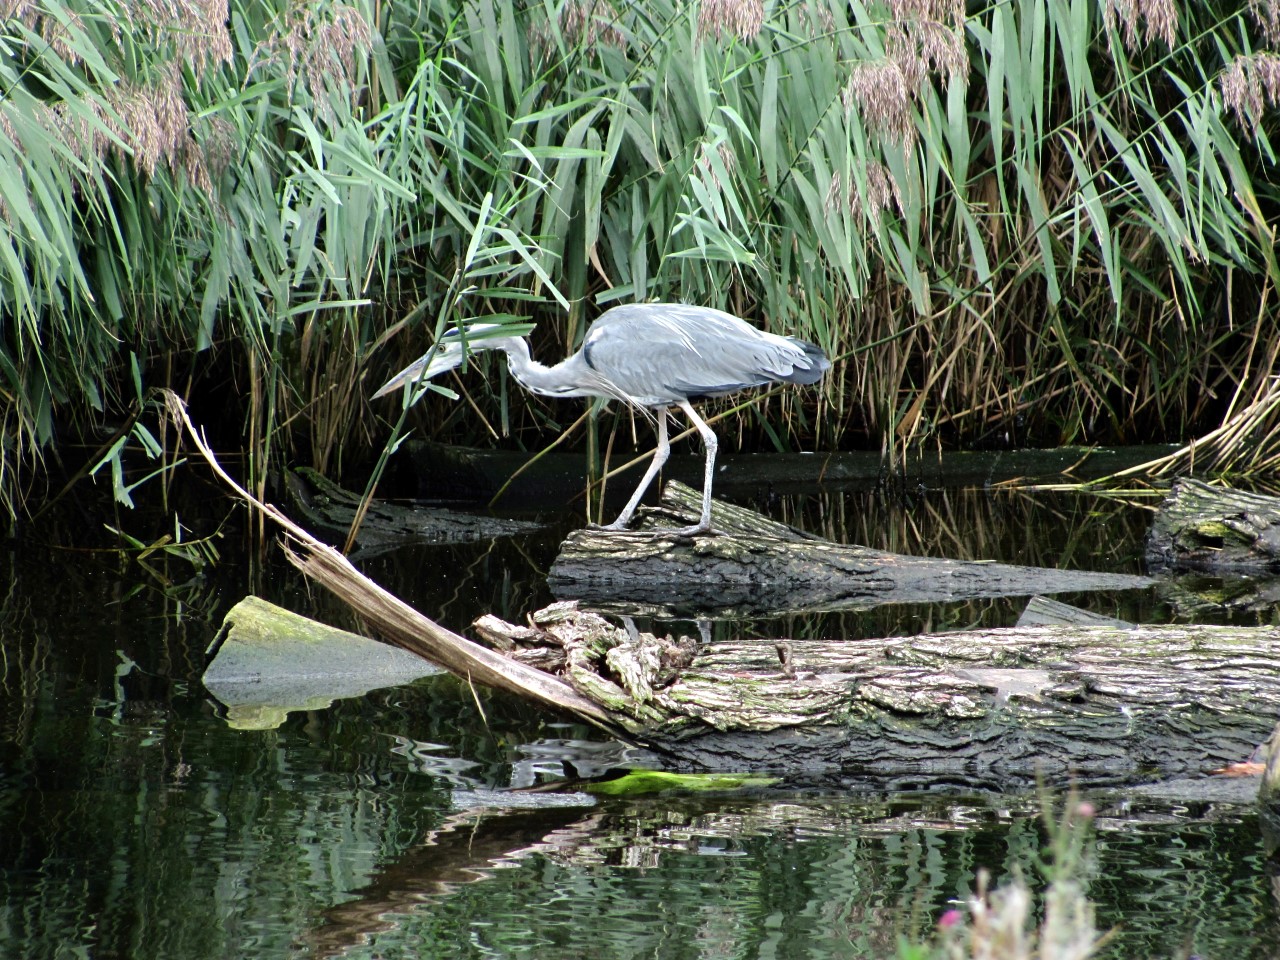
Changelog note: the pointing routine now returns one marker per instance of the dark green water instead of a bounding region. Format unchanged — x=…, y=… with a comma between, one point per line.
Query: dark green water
x=135, y=823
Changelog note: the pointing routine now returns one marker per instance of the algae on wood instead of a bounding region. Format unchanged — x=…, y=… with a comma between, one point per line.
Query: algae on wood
x=753, y=565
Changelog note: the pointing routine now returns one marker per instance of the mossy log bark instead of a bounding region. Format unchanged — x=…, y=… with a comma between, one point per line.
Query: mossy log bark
x=1099, y=703
x=1201, y=527
x=754, y=564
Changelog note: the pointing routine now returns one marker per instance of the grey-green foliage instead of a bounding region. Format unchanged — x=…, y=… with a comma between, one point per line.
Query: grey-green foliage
x=997, y=205
x=172, y=181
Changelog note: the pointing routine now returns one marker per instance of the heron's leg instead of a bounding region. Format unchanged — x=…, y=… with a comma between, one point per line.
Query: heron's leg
x=712, y=444
x=659, y=458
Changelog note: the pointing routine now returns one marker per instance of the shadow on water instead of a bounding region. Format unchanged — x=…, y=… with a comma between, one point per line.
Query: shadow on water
x=134, y=822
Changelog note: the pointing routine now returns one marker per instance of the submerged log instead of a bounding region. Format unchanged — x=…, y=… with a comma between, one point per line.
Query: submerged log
x=1201, y=527
x=467, y=472
x=327, y=507
x=271, y=661
x=1100, y=703
x=754, y=565
x=1043, y=612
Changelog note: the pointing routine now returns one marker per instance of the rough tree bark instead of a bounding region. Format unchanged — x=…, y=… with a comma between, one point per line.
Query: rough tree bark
x=1101, y=703
x=1200, y=527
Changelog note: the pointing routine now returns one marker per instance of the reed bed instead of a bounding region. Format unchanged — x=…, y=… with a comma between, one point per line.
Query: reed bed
x=1021, y=221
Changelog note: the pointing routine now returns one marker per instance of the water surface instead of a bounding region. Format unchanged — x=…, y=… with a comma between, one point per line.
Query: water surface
x=135, y=822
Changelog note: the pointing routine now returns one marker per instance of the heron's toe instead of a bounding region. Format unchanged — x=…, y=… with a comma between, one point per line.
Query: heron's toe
x=614, y=527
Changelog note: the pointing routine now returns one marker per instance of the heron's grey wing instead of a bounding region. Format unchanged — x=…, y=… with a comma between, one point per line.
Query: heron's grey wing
x=662, y=353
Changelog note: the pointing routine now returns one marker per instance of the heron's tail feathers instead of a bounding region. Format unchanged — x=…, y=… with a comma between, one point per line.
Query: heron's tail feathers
x=811, y=368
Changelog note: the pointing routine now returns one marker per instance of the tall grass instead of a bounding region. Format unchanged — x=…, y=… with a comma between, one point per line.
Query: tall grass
x=1024, y=220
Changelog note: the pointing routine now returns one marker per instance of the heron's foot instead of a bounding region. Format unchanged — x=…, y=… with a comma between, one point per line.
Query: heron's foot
x=618, y=526
x=680, y=533
x=698, y=529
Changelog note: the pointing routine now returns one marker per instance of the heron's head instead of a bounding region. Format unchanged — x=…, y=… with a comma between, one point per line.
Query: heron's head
x=453, y=347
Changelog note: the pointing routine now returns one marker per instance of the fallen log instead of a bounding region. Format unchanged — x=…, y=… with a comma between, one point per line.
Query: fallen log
x=990, y=707
x=1202, y=527
x=327, y=507
x=752, y=565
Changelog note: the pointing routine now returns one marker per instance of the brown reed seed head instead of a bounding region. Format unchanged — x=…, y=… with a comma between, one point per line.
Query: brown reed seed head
x=738, y=18
x=869, y=205
x=24, y=11
x=924, y=47
x=1249, y=84
x=880, y=91
x=322, y=46
x=588, y=23
x=196, y=28
x=1267, y=15
x=949, y=12
x=1160, y=16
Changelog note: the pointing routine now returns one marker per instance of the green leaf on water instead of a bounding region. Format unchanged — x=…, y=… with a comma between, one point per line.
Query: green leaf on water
x=641, y=782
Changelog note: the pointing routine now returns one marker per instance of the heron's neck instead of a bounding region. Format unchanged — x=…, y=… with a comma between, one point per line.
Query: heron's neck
x=557, y=381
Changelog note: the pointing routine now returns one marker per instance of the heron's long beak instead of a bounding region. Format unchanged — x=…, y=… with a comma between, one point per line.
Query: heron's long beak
x=447, y=356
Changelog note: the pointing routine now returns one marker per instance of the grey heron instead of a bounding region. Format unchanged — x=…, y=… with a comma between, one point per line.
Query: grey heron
x=651, y=355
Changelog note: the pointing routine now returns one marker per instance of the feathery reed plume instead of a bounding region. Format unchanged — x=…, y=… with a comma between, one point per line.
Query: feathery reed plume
x=53, y=31
x=196, y=28
x=881, y=92
x=1249, y=84
x=590, y=22
x=153, y=121
x=207, y=154
x=881, y=189
x=923, y=47
x=740, y=18
x=1267, y=15
x=313, y=40
x=84, y=126
x=1161, y=17
x=925, y=37
x=149, y=125
x=940, y=11
x=24, y=11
